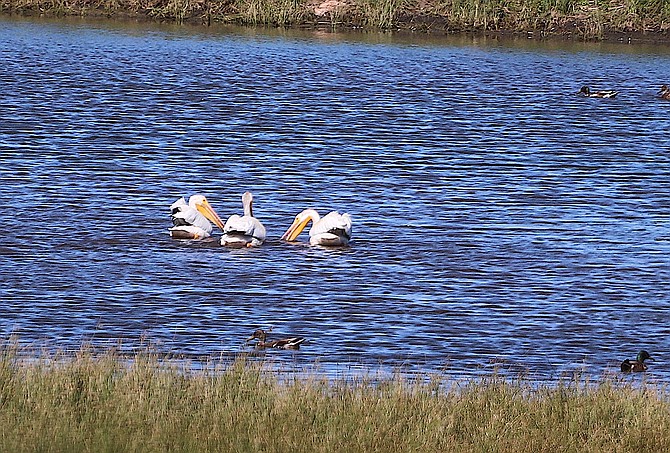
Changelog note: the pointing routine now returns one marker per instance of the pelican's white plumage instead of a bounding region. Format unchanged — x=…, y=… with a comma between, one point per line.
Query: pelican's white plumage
x=192, y=220
x=332, y=229
x=246, y=230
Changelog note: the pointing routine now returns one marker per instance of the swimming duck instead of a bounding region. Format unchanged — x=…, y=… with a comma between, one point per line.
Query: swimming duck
x=586, y=91
x=636, y=365
x=286, y=343
x=665, y=92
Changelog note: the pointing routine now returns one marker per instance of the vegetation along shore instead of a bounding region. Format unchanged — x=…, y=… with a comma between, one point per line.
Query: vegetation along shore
x=105, y=402
x=647, y=20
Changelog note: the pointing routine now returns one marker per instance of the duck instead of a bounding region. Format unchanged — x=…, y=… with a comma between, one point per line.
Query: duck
x=636, y=365
x=286, y=343
x=246, y=230
x=586, y=91
x=665, y=92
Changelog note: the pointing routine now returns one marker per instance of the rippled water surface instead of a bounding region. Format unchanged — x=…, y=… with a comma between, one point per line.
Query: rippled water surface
x=500, y=221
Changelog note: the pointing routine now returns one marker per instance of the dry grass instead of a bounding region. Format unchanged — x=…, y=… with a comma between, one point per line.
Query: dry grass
x=281, y=13
x=586, y=19
x=109, y=403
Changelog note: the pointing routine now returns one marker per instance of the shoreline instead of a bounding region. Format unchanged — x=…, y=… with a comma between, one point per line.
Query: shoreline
x=105, y=403
x=580, y=23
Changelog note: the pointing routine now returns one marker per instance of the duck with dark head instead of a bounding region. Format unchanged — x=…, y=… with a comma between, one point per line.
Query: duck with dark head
x=636, y=365
x=586, y=91
x=285, y=343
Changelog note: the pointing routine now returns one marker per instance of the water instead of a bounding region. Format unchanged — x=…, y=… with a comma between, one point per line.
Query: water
x=500, y=221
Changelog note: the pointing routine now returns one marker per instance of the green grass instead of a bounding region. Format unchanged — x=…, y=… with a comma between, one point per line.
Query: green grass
x=584, y=19
x=93, y=403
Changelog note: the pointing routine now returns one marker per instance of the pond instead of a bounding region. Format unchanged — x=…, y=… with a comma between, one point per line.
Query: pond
x=500, y=221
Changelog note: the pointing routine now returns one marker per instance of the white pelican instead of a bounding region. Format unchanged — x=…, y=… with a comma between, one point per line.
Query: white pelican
x=333, y=229
x=191, y=221
x=245, y=231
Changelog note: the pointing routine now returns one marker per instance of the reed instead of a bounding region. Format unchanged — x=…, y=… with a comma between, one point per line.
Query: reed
x=383, y=14
x=105, y=402
x=281, y=13
x=586, y=19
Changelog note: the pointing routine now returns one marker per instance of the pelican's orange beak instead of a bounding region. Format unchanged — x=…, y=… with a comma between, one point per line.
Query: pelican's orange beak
x=208, y=211
x=295, y=229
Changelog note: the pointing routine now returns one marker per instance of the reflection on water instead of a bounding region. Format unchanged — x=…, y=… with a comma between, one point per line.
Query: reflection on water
x=500, y=221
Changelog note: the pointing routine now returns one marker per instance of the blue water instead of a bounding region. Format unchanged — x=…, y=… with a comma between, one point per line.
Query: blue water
x=500, y=221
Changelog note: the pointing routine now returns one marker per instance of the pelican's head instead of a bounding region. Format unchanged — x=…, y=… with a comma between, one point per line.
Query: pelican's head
x=299, y=224
x=247, y=200
x=200, y=203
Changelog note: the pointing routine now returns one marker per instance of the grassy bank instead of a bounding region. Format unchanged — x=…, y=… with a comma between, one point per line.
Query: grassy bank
x=108, y=403
x=583, y=19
